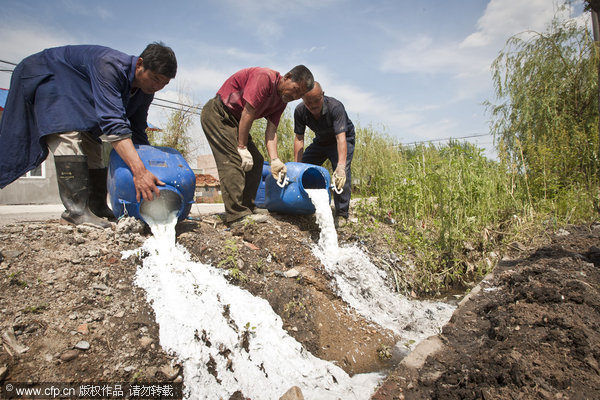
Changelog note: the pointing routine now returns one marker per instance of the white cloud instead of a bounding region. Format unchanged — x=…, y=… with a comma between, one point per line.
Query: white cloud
x=474, y=54
x=201, y=78
x=425, y=55
x=266, y=14
x=86, y=9
x=504, y=18
x=366, y=107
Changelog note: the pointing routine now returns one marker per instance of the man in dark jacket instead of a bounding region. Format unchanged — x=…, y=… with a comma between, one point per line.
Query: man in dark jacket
x=68, y=100
x=334, y=140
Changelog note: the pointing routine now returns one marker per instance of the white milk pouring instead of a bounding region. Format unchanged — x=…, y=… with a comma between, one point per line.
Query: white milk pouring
x=229, y=340
x=226, y=338
x=362, y=285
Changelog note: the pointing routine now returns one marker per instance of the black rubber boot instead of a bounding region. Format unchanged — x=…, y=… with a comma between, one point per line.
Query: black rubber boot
x=98, y=193
x=74, y=188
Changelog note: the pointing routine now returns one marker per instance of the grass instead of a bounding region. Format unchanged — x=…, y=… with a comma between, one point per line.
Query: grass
x=450, y=206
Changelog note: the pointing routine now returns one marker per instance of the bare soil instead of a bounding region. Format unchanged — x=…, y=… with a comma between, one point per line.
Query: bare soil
x=532, y=331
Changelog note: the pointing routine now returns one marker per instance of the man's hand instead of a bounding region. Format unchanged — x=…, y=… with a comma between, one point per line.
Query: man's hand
x=145, y=184
x=339, y=177
x=278, y=167
x=247, y=161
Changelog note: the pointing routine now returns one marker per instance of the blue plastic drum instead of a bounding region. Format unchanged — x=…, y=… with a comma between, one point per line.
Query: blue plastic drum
x=292, y=198
x=168, y=165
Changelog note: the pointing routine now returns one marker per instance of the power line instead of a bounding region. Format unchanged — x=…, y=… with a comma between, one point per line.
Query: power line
x=175, y=108
x=156, y=98
x=179, y=104
x=446, y=139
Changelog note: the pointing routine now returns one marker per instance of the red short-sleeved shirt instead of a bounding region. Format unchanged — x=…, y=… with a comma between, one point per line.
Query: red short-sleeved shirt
x=257, y=86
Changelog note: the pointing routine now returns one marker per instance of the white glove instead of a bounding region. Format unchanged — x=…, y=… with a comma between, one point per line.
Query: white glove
x=339, y=177
x=276, y=167
x=247, y=161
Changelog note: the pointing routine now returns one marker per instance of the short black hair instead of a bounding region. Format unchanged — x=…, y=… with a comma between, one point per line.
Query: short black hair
x=301, y=74
x=160, y=59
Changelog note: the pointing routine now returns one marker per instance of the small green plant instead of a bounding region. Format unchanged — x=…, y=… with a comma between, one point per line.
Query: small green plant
x=13, y=279
x=36, y=309
x=135, y=377
x=238, y=275
x=231, y=254
x=293, y=307
x=260, y=265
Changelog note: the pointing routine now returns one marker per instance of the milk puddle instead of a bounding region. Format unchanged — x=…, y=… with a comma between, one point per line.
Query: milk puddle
x=362, y=285
x=227, y=339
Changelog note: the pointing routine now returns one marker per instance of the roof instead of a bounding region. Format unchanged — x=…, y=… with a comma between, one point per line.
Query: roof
x=153, y=127
x=206, y=180
x=3, y=96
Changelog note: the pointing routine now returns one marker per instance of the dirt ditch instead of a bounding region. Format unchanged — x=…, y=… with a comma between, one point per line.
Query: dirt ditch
x=70, y=311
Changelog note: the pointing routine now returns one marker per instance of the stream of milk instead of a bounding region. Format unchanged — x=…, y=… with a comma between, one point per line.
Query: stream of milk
x=227, y=339
x=362, y=285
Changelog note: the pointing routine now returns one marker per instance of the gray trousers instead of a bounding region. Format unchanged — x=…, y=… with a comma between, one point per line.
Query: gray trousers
x=76, y=143
x=237, y=187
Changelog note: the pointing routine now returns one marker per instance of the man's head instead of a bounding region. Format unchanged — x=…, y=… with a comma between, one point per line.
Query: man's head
x=313, y=100
x=295, y=83
x=155, y=67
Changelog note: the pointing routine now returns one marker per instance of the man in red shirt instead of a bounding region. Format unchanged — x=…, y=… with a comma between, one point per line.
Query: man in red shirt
x=247, y=95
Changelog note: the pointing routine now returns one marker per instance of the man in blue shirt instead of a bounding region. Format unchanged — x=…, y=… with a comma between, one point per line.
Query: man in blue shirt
x=334, y=140
x=69, y=99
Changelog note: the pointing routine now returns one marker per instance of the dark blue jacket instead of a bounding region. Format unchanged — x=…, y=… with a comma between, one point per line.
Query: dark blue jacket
x=70, y=88
x=333, y=120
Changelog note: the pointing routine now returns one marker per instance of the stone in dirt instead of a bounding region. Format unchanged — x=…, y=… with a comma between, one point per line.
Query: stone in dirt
x=170, y=372
x=82, y=345
x=69, y=355
x=11, y=343
x=83, y=329
x=293, y=394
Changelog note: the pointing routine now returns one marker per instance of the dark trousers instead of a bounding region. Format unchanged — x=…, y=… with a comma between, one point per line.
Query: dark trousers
x=316, y=154
x=237, y=187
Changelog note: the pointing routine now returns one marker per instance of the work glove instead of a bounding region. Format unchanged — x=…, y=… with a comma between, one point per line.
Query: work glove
x=276, y=167
x=339, y=177
x=247, y=161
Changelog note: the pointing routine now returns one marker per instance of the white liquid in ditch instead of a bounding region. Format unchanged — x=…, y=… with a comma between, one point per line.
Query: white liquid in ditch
x=227, y=339
x=362, y=285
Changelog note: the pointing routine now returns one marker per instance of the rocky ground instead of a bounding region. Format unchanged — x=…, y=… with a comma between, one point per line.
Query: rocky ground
x=70, y=311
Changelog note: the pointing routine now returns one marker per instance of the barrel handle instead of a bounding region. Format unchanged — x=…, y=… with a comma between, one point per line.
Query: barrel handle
x=335, y=189
x=284, y=181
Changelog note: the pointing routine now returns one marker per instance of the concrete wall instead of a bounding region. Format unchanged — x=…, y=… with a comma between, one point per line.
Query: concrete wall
x=206, y=165
x=33, y=190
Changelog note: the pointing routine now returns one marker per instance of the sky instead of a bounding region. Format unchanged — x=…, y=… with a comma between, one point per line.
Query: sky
x=414, y=70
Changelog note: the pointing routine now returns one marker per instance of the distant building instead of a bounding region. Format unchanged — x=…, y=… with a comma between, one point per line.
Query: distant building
x=208, y=189
x=206, y=165
x=37, y=186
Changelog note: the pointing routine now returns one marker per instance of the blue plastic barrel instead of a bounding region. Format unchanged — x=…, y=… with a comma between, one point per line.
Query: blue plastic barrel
x=168, y=165
x=292, y=198
x=259, y=200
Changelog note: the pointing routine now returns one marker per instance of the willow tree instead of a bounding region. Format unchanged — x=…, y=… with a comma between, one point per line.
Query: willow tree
x=546, y=119
x=175, y=133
